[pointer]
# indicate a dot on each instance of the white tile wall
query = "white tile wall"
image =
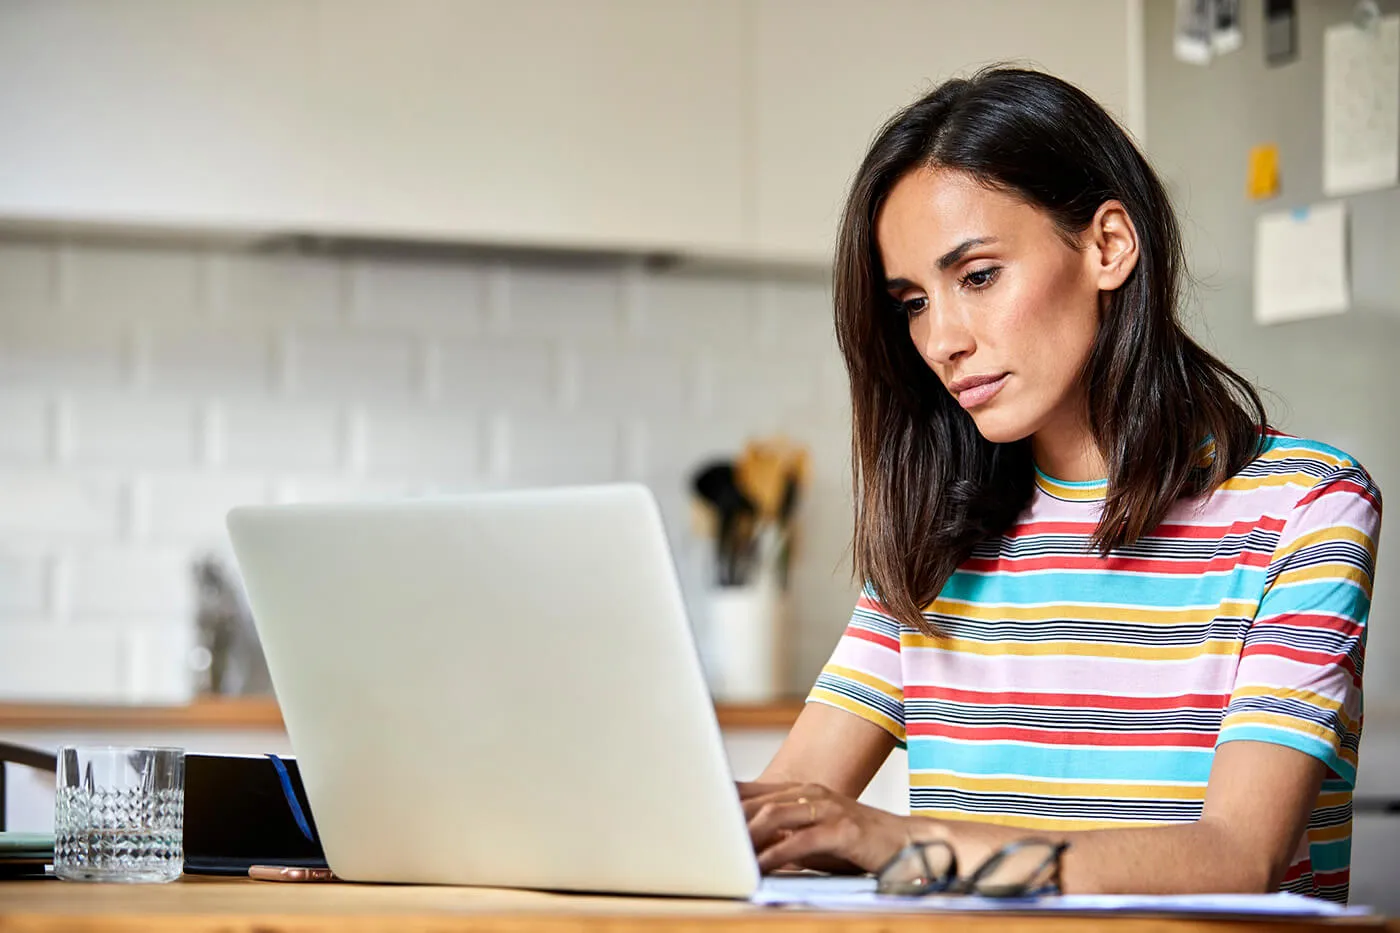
(145, 390)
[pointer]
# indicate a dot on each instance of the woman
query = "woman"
(1106, 605)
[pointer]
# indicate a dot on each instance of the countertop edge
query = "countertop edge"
(234, 713)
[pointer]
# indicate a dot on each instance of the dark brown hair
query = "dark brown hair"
(928, 486)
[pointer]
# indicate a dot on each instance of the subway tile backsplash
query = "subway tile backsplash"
(144, 390)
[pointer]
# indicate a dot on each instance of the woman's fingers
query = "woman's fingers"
(756, 805)
(798, 846)
(749, 789)
(780, 793)
(777, 818)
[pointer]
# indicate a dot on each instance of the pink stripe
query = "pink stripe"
(1127, 677)
(1268, 670)
(869, 658)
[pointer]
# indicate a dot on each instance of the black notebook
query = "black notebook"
(246, 810)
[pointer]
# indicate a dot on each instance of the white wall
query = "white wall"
(145, 389)
(1333, 378)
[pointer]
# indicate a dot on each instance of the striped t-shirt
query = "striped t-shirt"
(1069, 691)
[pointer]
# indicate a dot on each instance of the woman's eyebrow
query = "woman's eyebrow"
(957, 252)
(944, 261)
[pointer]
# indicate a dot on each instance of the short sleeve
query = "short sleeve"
(1299, 678)
(864, 675)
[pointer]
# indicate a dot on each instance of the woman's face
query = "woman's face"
(999, 305)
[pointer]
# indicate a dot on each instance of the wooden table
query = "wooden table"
(200, 905)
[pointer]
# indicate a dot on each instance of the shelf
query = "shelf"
(262, 713)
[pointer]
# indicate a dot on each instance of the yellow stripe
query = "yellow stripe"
(1330, 833)
(871, 681)
(1336, 798)
(1303, 696)
(1012, 785)
(864, 712)
(1339, 572)
(1248, 483)
(1290, 453)
(1280, 721)
(1031, 822)
(1309, 697)
(998, 612)
(1223, 647)
(1327, 535)
(1074, 493)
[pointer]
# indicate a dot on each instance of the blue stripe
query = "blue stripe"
(1330, 856)
(1307, 744)
(1272, 444)
(928, 753)
(1073, 484)
(1332, 594)
(1118, 586)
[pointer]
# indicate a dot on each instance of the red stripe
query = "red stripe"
(1166, 530)
(1331, 623)
(1013, 565)
(1318, 658)
(1345, 486)
(1340, 876)
(1083, 700)
(1315, 658)
(1265, 522)
(865, 602)
(884, 641)
(1059, 736)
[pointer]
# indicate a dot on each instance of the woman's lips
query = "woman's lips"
(982, 393)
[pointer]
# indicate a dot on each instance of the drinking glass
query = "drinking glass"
(119, 814)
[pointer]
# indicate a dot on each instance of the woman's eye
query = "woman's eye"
(913, 306)
(980, 278)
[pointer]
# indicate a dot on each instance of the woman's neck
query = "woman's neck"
(1068, 453)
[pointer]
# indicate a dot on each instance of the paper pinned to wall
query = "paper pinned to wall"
(1300, 263)
(1361, 106)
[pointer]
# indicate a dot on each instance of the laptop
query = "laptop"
(497, 689)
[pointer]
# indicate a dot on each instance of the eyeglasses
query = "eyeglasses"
(1028, 868)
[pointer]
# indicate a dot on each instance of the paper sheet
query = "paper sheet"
(859, 894)
(1300, 263)
(1361, 107)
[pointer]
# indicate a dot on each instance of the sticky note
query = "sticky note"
(1263, 172)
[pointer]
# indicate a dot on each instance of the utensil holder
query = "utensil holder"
(746, 633)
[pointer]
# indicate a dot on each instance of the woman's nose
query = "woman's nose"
(942, 339)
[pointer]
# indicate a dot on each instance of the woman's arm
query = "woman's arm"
(830, 747)
(1257, 805)
(830, 750)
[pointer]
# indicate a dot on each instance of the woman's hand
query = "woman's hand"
(810, 826)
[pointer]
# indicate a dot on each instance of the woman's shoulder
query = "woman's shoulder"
(1301, 464)
(1281, 452)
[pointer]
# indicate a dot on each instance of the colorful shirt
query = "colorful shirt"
(1068, 690)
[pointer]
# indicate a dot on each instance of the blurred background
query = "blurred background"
(284, 250)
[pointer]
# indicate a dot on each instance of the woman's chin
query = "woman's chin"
(1001, 427)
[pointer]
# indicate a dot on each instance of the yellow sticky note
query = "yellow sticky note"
(1263, 171)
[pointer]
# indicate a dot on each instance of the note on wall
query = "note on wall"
(1361, 106)
(1300, 263)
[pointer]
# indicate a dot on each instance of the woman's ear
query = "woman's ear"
(1113, 245)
